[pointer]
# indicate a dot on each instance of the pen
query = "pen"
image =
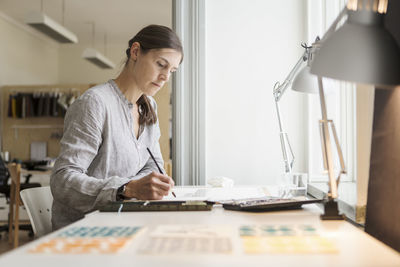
(159, 169)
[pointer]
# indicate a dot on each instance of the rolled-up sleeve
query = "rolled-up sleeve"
(70, 184)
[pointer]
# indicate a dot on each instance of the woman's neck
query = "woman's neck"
(128, 86)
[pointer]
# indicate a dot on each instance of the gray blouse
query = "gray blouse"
(99, 153)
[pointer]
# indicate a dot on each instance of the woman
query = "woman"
(108, 129)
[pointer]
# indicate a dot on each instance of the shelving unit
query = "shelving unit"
(34, 126)
(18, 133)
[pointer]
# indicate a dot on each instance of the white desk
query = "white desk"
(356, 248)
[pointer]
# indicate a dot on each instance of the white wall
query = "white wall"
(74, 69)
(250, 45)
(25, 58)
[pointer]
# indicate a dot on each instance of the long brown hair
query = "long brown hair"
(152, 37)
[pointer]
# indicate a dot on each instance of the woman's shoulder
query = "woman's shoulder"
(93, 100)
(99, 93)
(99, 97)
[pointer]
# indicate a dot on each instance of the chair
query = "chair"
(13, 219)
(15, 200)
(4, 187)
(38, 203)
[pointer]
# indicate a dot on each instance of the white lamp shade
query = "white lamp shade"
(305, 82)
(362, 50)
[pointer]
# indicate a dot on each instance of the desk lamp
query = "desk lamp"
(303, 81)
(359, 51)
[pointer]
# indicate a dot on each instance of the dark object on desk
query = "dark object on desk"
(267, 204)
(331, 211)
(157, 206)
(5, 176)
(37, 165)
(383, 214)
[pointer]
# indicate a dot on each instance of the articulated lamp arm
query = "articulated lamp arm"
(327, 124)
(331, 211)
(279, 90)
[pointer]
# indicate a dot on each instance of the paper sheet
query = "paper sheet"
(302, 239)
(215, 194)
(188, 239)
(88, 240)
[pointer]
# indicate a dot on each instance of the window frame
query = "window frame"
(341, 107)
(188, 95)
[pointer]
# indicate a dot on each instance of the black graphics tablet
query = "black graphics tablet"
(267, 204)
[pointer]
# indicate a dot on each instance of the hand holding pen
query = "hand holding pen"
(159, 169)
(153, 186)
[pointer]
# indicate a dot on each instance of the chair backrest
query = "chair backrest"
(15, 173)
(38, 203)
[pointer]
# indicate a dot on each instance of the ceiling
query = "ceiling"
(120, 19)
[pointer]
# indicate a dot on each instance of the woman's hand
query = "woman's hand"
(151, 187)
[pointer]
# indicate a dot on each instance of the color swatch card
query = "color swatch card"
(86, 240)
(259, 239)
(188, 239)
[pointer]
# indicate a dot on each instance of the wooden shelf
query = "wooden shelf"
(33, 126)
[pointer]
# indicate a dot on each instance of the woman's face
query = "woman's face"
(152, 69)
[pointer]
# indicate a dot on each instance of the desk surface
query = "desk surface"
(355, 248)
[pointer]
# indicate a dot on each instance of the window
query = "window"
(340, 101)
